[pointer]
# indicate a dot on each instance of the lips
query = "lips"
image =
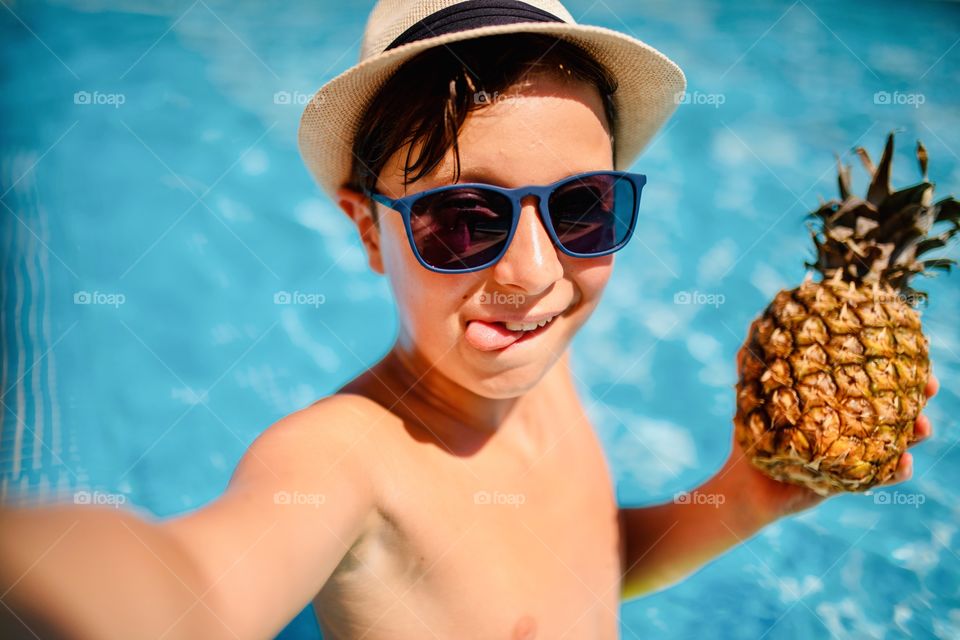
(494, 334)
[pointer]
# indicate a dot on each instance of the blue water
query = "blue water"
(183, 210)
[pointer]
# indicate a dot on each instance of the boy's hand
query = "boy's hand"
(774, 499)
(666, 542)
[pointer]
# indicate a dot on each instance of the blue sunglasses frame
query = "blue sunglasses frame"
(404, 206)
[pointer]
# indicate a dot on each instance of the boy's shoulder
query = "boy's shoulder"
(342, 414)
(346, 403)
(330, 427)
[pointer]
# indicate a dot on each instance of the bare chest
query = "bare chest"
(495, 545)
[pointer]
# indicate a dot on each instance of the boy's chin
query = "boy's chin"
(506, 382)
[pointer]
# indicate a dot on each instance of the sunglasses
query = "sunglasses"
(466, 227)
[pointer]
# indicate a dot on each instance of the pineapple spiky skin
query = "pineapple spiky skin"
(831, 384)
(833, 373)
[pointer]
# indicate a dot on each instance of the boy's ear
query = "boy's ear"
(357, 207)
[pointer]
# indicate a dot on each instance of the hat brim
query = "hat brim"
(648, 84)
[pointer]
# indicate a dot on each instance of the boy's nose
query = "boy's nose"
(531, 262)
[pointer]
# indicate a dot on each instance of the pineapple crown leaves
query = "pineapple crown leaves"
(881, 238)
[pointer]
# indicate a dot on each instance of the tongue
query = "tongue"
(490, 336)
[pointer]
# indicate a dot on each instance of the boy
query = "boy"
(456, 489)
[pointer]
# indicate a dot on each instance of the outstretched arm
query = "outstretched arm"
(71, 571)
(240, 567)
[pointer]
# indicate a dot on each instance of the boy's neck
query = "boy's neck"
(407, 384)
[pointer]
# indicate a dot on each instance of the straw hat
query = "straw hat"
(648, 82)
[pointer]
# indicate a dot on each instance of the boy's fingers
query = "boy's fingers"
(922, 429)
(933, 385)
(904, 470)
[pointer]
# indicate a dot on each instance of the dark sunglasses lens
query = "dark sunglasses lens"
(593, 214)
(460, 229)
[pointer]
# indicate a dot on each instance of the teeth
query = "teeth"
(526, 326)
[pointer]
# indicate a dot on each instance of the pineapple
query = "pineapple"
(833, 372)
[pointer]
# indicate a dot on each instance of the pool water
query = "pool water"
(154, 206)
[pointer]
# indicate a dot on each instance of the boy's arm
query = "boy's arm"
(240, 567)
(94, 572)
(668, 542)
(665, 543)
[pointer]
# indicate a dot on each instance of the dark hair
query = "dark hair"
(428, 99)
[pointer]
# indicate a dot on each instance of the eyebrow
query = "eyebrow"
(479, 174)
(486, 175)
